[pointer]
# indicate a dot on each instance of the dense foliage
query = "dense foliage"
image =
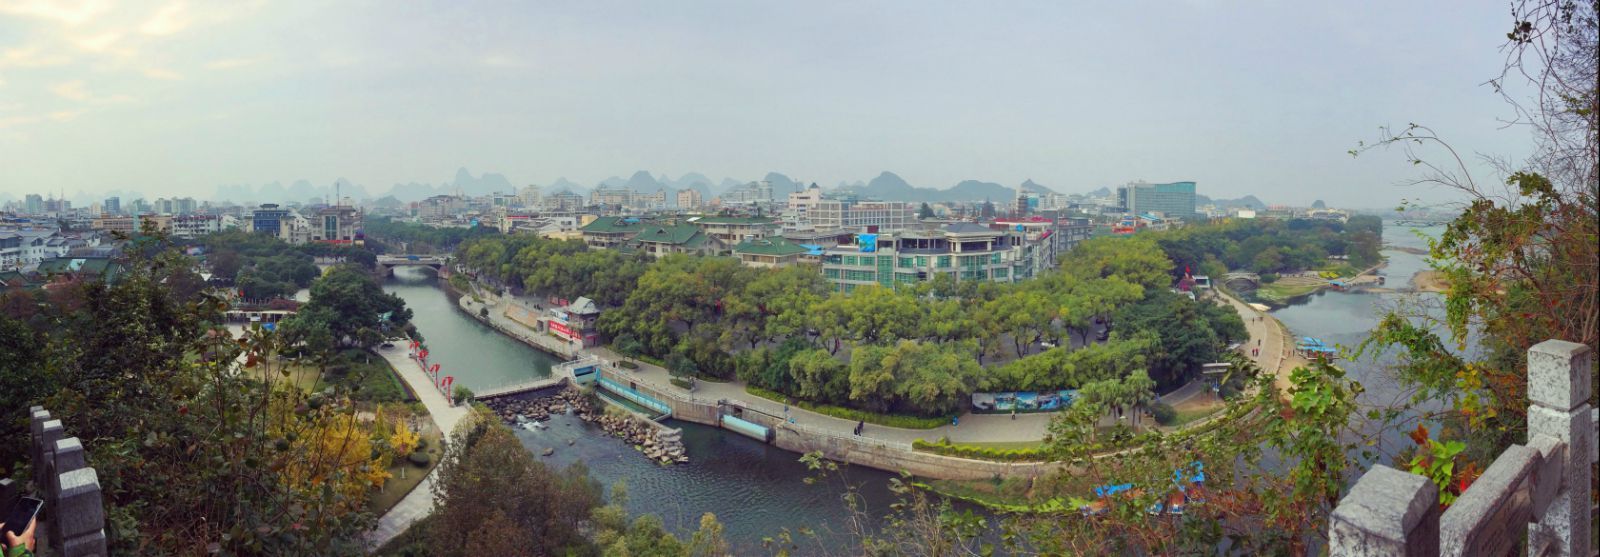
(1520, 259)
(1274, 246)
(491, 497)
(918, 350)
(203, 443)
(388, 235)
(263, 267)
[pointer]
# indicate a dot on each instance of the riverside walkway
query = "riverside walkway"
(972, 428)
(419, 502)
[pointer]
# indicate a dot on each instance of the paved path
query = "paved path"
(972, 427)
(419, 502)
(1277, 353)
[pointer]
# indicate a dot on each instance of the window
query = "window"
(849, 260)
(905, 262)
(831, 273)
(944, 262)
(922, 262)
(1001, 273)
(995, 258)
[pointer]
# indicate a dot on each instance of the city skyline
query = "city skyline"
(175, 100)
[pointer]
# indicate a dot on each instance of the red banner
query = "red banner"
(561, 329)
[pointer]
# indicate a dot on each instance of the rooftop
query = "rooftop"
(771, 246)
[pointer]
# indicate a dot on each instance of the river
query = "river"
(754, 489)
(1345, 319)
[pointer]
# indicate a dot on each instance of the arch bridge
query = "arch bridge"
(1241, 276)
(386, 263)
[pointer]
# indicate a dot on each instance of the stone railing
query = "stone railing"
(72, 522)
(1539, 492)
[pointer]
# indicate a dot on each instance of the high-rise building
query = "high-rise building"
(33, 204)
(338, 225)
(269, 219)
(962, 251)
(1174, 200)
(112, 206)
(886, 216)
(606, 195)
(530, 196)
(748, 194)
(689, 198)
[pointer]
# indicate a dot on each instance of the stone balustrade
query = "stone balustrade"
(1537, 492)
(72, 522)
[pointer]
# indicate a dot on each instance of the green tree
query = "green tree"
(486, 471)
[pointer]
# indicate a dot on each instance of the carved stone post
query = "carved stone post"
(1387, 513)
(1559, 386)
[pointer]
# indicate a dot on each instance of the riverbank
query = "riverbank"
(798, 430)
(1429, 281)
(419, 503)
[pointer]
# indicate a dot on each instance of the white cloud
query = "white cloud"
(229, 63)
(69, 12)
(30, 57)
(71, 90)
(501, 61)
(171, 18)
(98, 43)
(162, 73)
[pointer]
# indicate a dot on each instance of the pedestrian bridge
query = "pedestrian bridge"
(1240, 276)
(386, 263)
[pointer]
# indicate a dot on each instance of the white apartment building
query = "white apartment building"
(887, 216)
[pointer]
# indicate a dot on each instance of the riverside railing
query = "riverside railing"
(1539, 492)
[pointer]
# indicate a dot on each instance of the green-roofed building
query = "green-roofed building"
(732, 230)
(80, 269)
(13, 279)
(772, 252)
(659, 240)
(611, 232)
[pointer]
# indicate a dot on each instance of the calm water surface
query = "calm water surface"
(754, 489)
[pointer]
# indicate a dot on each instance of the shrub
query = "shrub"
(628, 364)
(462, 394)
(1163, 413)
(419, 459)
(682, 383)
(1269, 278)
(891, 420)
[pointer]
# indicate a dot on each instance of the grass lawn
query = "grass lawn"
(371, 377)
(1189, 415)
(399, 486)
(1283, 292)
(1007, 445)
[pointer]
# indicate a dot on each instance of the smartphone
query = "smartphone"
(22, 514)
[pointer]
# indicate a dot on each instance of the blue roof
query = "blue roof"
(814, 249)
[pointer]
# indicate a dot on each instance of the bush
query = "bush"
(685, 384)
(1269, 278)
(628, 364)
(1163, 413)
(419, 459)
(891, 420)
(462, 394)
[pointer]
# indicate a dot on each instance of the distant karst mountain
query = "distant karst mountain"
(1030, 185)
(1247, 202)
(891, 187)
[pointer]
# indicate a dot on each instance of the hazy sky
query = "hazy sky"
(174, 98)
